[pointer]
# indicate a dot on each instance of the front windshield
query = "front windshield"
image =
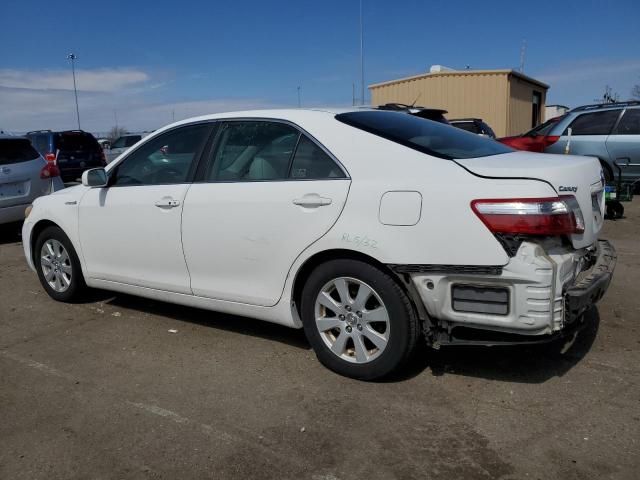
(433, 138)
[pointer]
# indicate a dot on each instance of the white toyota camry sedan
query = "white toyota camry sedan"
(370, 229)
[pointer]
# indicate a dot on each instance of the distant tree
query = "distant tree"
(635, 91)
(115, 133)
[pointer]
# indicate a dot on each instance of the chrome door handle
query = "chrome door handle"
(312, 200)
(167, 202)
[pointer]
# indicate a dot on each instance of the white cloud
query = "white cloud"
(575, 83)
(33, 100)
(98, 80)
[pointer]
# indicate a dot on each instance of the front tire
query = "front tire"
(58, 266)
(359, 321)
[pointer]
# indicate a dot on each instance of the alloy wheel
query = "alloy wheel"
(56, 265)
(352, 320)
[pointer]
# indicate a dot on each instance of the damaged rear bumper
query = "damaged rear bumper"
(589, 289)
(541, 294)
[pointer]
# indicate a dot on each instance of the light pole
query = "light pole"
(72, 57)
(361, 57)
(299, 103)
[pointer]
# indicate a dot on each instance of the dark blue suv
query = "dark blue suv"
(74, 150)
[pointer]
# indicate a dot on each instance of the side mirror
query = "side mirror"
(96, 177)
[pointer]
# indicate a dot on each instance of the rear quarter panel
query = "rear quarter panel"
(448, 232)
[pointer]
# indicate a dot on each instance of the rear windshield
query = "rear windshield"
(436, 139)
(16, 150)
(76, 142)
(544, 128)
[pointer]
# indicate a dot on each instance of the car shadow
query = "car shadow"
(518, 364)
(10, 233)
(232, 323)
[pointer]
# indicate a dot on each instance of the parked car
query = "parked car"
(610, 132)
(473, 125)
(74, 151)
(122, 144)
(104, 143)
(535, 140)
(435, 114)
(370, 229)
(24, 176)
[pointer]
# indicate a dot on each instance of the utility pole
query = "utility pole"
(361, 57)
(299, 103)
(73, 57)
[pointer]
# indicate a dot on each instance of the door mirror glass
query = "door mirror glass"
(96, 177)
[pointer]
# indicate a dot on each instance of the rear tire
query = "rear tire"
(359, 321)
(58, 266)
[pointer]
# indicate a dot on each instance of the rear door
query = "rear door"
(624, 144)
(20, 167)
(268, 192)
(589, 132)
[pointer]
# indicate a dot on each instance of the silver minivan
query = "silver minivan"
(24, 176)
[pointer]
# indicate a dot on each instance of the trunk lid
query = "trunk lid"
(567, 174)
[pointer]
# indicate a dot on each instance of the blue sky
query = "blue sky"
(154, 61)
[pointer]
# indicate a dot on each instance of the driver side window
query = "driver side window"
(165, 159)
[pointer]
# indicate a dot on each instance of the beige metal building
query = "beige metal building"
(510, 102)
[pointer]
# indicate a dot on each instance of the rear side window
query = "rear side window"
(467, 126)
(311, 162)
(436, 139)
(40, 142)
(76, 142)
(630, 123)
(595, 123)
(16, 151)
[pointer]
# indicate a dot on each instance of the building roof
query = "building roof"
(462, 72)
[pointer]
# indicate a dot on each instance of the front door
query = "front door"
(130, 231)
(267, 194)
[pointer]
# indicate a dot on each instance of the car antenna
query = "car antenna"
(414, 102)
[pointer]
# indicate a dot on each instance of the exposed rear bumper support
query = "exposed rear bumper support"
(548, 287)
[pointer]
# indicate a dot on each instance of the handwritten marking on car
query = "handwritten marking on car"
(360, 240)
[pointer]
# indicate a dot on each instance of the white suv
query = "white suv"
(368, 228)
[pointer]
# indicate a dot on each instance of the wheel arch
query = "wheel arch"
(608, 170)
(37, 229)
(324, 256)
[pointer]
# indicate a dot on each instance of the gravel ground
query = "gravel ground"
(103, 390)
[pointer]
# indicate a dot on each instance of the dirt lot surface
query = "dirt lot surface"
(103, 390)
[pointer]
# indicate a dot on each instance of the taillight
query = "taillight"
(531, 216)
(50, 157)
(49, 170)
(550, 140)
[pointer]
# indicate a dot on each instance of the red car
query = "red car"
(535, 140)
